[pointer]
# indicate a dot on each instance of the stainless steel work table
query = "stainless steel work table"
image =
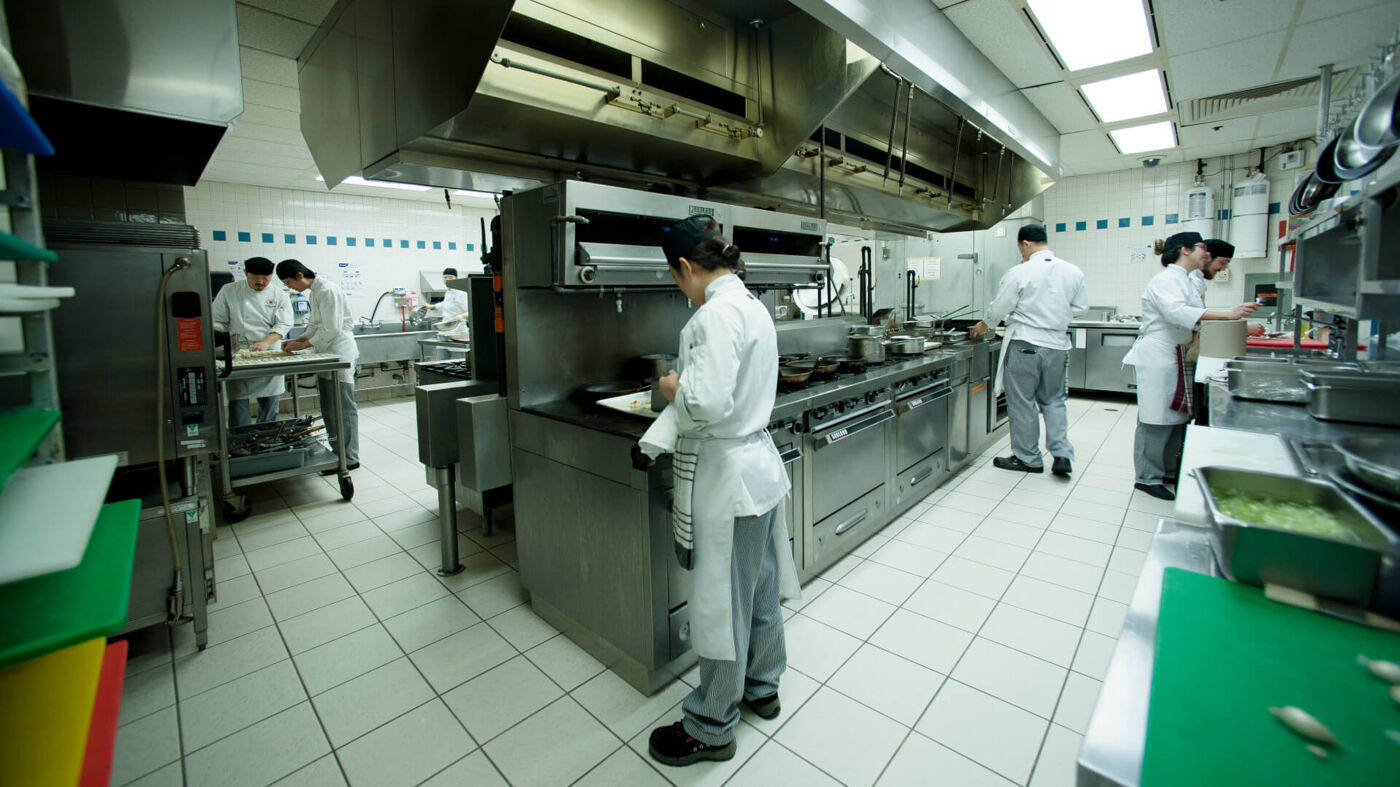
(1117, 736)
(1289, 421)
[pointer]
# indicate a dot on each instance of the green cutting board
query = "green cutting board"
(1225, 655)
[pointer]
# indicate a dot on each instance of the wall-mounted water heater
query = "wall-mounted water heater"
(1249, 216)
(1198, 215)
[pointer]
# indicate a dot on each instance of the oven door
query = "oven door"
(848, 459)
(921, 424)
(790, 450)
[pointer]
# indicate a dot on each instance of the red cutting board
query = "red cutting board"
(1283, 341)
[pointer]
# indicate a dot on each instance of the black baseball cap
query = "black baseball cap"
(1182, 240)
(1219, 248)
(680, 238)
(258, 266)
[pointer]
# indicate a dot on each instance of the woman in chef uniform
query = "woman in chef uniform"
(729, 484)
(1171, 310)
(328, 330)
(260, 315)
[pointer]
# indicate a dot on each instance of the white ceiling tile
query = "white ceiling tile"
(267, 67)
(1314, 10)
(271, 32)
(231, 142)
(1279, 139)
(1086, 146)
(1345, 40)
(1249, 63)
(309, 11)
(267, 116)
(1302, 121)
(1061, 105)
(269, 95)
(1193, 25)
(1218, 133)
(997, 28)
(1217, 149)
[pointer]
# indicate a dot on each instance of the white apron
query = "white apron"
(1171, 308)
(251, 315)
(1006, 338)
(329, 326)
(1154, 361)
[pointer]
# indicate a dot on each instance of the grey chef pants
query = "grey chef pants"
(1157, 451)
(239, 415)
(1036, 384)
(328, 386)
(712, 709)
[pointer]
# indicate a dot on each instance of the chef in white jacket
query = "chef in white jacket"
(729, 482)
(454, 306)
(1038, 299)
(328, 330)
(1171, 310)
(260, 315)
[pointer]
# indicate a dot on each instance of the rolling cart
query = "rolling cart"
(235, 505)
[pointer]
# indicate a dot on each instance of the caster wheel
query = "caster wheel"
(347, 487)
(235, 515)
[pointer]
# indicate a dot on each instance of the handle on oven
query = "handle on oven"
(853, 521)
(859, 426)
(919, 479)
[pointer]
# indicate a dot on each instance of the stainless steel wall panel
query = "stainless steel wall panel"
(328, 80)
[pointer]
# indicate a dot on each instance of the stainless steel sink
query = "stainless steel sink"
(385, 347)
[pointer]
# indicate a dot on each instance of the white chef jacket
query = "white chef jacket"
(1171, 308)
(328, 326)
(252, 315)
(728, 365)
(455, 304)
(1038, 299)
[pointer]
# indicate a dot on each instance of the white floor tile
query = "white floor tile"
(309, 596)
(1024, 681)
(816, 649)
(262, 753)
(450, 662)
(1055, 601)
(232, 706)
(1080, 527)
(1022, 514)
(429, 623)
(846, 610)
(841, 568)
(1084, 550)
(172, 775)
(324, 772)
(953, 519)
(335, 662)
(774, 765)
(1118, 586)
(1116, 498)
(1037, 635)
(1077, 702)
(955, 606)
(147, 692)
(1025, 536)
(1128, 561)
(493, 596)
(1107, 617)
(622, 708)
(285, 552)
(324, 624)
(1095, 652)
(1064, 572)
(411, 515)
(987, 730)
(909, 558)
(624, 766)
(1142, 520)
(253, 540)
(924, 641)
(403, 595)
(235, 590)
(1023, 495)
(473, 769)
(921, 761)
(842, 737)
(578, 742)
(386, 505)
(975, 577)
(564, 662)
(347, 535)
(970, 503)
(882, 582)
(1131, 538)
(294, 573)
(231, 566)
(357, 706)
(476, 569)
(1006, 557)
(145, 745)
(1059, 759)
(522, 628)
(408, 749)
(203, 670)
(361, 552)
(990, 491)
(496, 700)
(891, 685)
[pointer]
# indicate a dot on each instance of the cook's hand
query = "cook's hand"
(262, 345)
(295, 344)
(1256, 330)
(1243, 310)
(977, 330)
(669, 385)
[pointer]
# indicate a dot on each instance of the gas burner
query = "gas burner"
(460, 370)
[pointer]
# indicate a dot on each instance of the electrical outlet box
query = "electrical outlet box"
(1000, 232)
(1293, 159)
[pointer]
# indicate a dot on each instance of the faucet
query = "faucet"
(1288, 320)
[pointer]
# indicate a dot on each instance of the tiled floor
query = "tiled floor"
(964, 644)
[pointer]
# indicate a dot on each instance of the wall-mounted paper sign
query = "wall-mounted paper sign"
(926, 267)
(1137, 255)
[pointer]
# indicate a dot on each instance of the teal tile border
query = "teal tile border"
(290, 239)
(1080, 226)
(1060, 227)
(1124, 222)
(1147, 221)
(1102, 224)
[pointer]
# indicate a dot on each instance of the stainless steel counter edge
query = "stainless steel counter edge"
(1117, 735)
(1126, 326)
(1289, 421)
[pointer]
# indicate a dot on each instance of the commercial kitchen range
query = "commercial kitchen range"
(592, 515)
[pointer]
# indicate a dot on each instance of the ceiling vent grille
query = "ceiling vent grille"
(1264, 99)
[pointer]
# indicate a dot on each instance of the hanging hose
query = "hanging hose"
(177, 594)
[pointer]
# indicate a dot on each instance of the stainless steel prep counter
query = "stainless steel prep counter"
(1289, 421)
(1117, 736)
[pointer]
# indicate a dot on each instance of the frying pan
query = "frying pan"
(1355, 159)
(592, 392)
(827, 365)
(851, 364)
(1375, 461)
(788, 359)
(1326, 169)
(1378, 122)
(790, 375)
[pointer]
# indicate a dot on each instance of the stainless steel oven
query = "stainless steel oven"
(789, 445)
(848, 468)
(921, 436)
(997, 414)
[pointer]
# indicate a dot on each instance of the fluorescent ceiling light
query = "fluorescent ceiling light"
(1126, 97)
(1140, 139)
(491, 195)
(1088, 33)
(356, 180)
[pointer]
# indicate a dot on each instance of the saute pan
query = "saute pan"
(592, 392)
(790, 375)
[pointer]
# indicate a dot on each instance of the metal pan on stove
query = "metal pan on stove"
(793, 375)
(592, 392)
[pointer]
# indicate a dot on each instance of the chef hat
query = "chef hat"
(258, 266)
(680, 238)
(449, 271)
(1180, 240)
(1219, 248)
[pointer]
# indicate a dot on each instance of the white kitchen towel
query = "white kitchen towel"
(663, 437)
(660, 437)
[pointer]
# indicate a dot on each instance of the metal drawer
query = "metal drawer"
(921, 426)
(922, 478)
(840, 532)
(848, 459)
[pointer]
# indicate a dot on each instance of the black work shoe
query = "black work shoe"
(765, 707)
(1156, 490)
(1061, 466)
(1015, 463)
(672, 745)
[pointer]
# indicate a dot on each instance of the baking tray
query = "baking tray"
(1256, 553)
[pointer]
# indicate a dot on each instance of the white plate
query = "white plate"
(638, 404)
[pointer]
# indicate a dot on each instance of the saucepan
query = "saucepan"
(850, 363)
(1375, 461)
(873, 329)
(654, 364)
(658, 401)
(790, 375)
(592, 392)
(868, 347)
(905, 345)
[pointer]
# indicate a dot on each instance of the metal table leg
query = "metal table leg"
(445, 481)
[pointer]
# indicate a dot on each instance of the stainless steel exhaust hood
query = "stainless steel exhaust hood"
(138, 91)
(721, 99)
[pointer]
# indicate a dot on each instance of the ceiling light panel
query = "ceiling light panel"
(1088, 33)
(1127, 97)
(1140, 139)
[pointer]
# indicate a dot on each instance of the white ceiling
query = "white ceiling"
(1206, 48)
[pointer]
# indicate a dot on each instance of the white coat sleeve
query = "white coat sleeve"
(220, 309)
(281, 315)
(706, 392)
(1008, 294)
(327, 312)
(1079, 301)
(1174, 306)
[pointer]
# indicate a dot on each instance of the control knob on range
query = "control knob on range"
(872, 397)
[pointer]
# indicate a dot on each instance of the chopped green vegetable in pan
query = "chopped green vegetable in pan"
(1302, 517)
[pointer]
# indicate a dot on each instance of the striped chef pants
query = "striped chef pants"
(712, 709)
